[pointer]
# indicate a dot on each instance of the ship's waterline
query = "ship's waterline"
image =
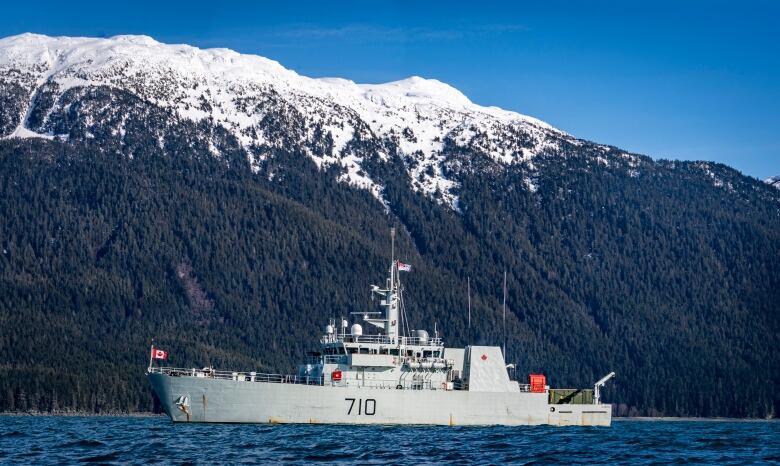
(232, 401)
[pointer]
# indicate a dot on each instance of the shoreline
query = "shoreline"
(76, 414)
(614, 418)
(692, 419)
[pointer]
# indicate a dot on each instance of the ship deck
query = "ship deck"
(209, 373)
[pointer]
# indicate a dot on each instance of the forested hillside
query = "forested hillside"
(669, 281)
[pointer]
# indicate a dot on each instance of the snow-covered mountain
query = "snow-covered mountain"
(255, 99)
(106, 89)
(773, 181)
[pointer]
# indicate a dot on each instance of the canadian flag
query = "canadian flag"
(159, 354)
(404, 267)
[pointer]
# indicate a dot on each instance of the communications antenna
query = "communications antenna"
(468, 293)
(503, 315)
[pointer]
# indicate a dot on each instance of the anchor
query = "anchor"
(183, 403)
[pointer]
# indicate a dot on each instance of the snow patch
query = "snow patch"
(773, 181)
(21, 132)
(717, 182)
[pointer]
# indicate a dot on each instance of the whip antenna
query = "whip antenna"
(503, 316)
(468, 293)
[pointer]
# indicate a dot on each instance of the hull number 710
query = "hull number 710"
(365, 407)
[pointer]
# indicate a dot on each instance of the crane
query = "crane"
(598, 385)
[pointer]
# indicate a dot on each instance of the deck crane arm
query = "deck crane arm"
(598, 385)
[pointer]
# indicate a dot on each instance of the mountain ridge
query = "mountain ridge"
(415, 115)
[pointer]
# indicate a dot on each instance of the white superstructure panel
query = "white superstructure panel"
(486, 370)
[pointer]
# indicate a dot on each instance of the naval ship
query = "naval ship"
(392, 375)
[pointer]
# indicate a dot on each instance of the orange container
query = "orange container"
(537, 382)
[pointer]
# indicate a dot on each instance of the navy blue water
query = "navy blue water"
(144, 440)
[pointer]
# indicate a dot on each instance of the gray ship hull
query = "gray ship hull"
(234, 401)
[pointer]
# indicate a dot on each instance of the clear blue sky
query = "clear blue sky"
(673, 80)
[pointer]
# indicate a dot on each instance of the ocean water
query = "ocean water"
(148, 440)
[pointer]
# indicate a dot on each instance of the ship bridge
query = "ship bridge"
(395, 356)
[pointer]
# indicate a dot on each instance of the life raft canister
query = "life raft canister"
(335, 375)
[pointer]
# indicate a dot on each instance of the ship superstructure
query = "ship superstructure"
(395, 375)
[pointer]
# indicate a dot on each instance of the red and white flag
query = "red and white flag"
(404, 267)
(159, 354)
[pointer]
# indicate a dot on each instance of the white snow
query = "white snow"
(717, 182)
(22, 132)
(235, 88)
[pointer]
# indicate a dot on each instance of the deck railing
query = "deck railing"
(405, 383)
(238, 376)
(383, 339)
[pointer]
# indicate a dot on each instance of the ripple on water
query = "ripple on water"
(107, 458)
(52, 440)
(82, 444)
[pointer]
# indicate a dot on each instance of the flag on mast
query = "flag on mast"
(159, 354)
(403, 267)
